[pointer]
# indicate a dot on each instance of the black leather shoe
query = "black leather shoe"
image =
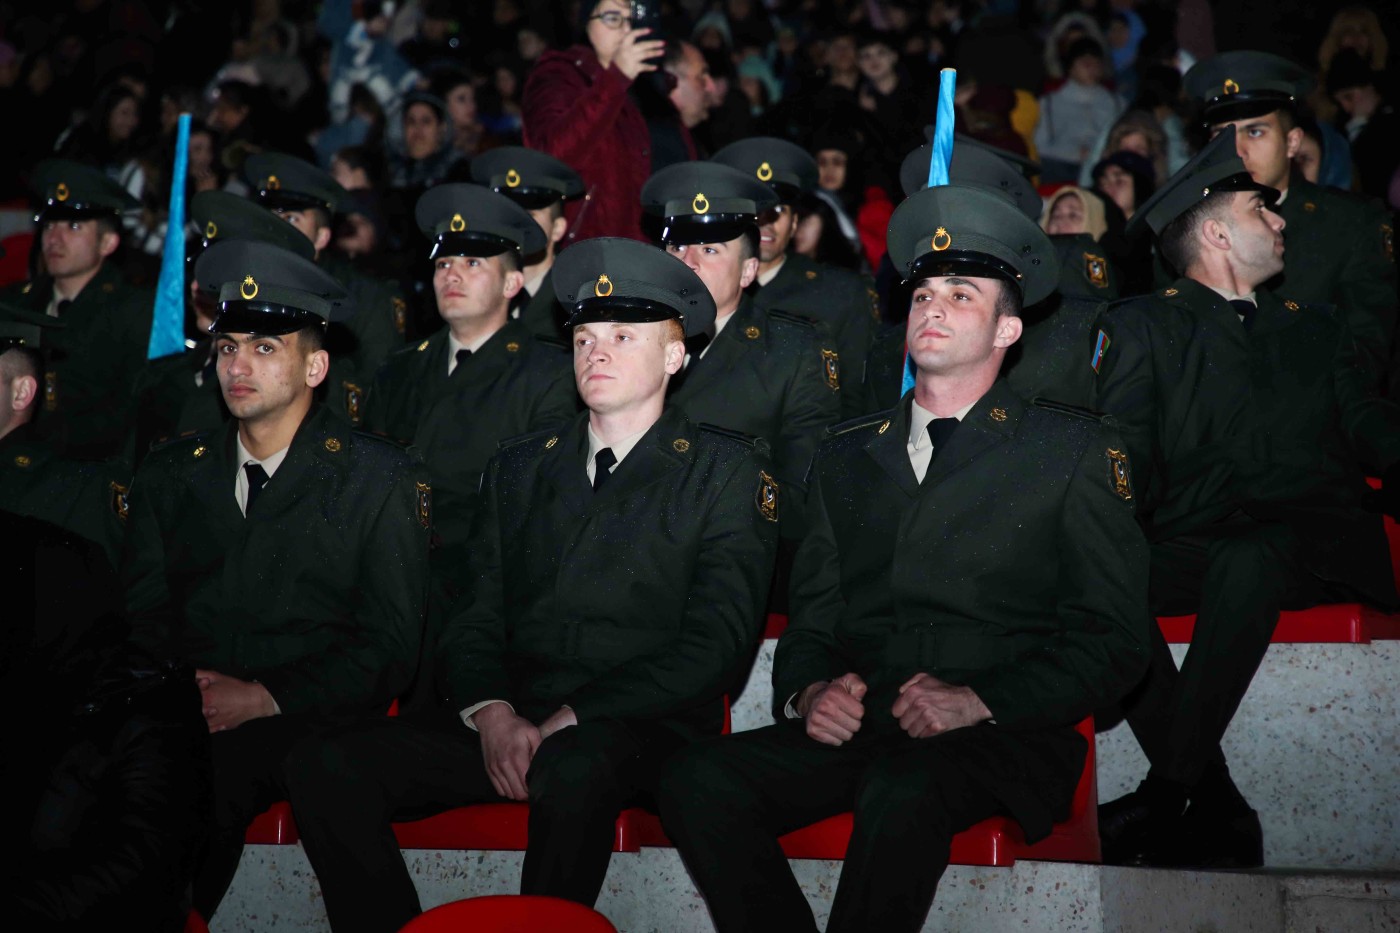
(1139, 829)
(1215, 837)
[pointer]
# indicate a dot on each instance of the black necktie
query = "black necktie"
(462, 358)
(603, 462)
(1245, 309)
(939, 430)
(62, 306)
(257, 479)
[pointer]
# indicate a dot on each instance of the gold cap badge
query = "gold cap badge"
(765, 172)
(61, 192)
(512, 179)
(941, 240)
(457, 224)
(249, 288)
(211, 230)
(602, 283)
(701, 204)
(272, 183)
(1230, 87)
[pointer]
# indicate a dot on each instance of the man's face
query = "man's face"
(551, 220)
(309, 223)
(75, 247)
(1358, 101)
(1256, 237)
(227, 116)
(775, 230)
(261, 377)
(470, 289)
(841, 54)
(1265, 148)
(422, 131)
(618, 365)
(877, 61)
(694, 89)
(721, 266)
(953, 324)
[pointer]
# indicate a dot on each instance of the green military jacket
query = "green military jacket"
(1269, 420)
(92, 364)
(317, 593)
(642, 601)
(843, 303)
(177, 394)
(541, 312)
(514, 384)
(361, 345)
(1015, 568)
(86, 497)
(1338, 251)
(767, 374)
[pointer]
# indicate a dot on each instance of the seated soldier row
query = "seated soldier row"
(969, 580)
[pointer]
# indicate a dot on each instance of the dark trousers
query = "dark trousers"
(725, 801)
(246, 764)
(1236, 578)
(348, 786)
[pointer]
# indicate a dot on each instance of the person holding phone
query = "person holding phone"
(577, 108)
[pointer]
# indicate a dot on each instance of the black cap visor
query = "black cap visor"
(262, 317)
(74, 210)
(280, 199)
(530, 198)
(629, 310)
(1246, 105)
(470, 243)
(707, 228)
(967, 264)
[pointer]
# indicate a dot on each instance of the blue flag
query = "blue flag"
(937, 167)
(168, 320)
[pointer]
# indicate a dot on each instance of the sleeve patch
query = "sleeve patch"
(425, 505)
(831, 365)
(766, 498)
(1119, 475)
(1101, 343)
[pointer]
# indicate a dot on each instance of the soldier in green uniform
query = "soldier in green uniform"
(180, 393)
(765, 373)
(88, 498)
(1243, 412)
(92, 365)
(284, 556)
(617, 582)
(308, 198)
(482, 378)
(540, 184)
(973, 584)
(844, 303)
(1339, 245)
(1047, 361)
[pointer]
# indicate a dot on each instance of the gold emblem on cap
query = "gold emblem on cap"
(512, 179)
(457, 224)
(333, 444)
(22, 461)
(273, 183)
(998, 414)
(701, 204)
(941, 240)
(199, 451)
(598, 286)
(211, 230)
(61, 192)
(512, 347)
(680, 445)
(765, 172)
(752, 332)
(551, 442)
(1230, 87)
(249, 288)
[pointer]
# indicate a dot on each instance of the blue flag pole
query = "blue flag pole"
(939, 160)
(168, 319)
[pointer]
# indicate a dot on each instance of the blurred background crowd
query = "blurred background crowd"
(395, 97)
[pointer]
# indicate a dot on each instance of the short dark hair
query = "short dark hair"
(510, 260)
(312, 338)
(20, 361)
(748, 243)
(108, 223)
(1009, 300)
(1178, 243)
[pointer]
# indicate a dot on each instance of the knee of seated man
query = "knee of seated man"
(696, 778)
(571, 765)
(323, 764)
(1264, 552)
(895, 789)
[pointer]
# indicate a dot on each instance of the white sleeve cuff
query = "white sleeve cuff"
(475, 708)
(789, 710)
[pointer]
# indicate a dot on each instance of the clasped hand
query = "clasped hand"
(926, 707)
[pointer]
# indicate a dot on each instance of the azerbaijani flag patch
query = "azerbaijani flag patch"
(1100, 348)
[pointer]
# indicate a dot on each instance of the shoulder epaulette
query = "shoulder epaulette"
(549, 439)
(854, 424)
(788, 317)
(161, 443)
(1072, 410)
(381, 437)
(749, 439)
(553, 343)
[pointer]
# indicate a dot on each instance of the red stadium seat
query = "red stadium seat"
(14, 265)
(1335, 623)
(776, 625)
(194, 923)
(997, 841)
(510, 913)
(1392, 534)
(273, 827)
(490, 826)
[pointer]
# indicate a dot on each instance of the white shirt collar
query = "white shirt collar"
(620, 448)
(453, 345)
(919, 418)
(269, 464)
(765, 277)
(1231, 296)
